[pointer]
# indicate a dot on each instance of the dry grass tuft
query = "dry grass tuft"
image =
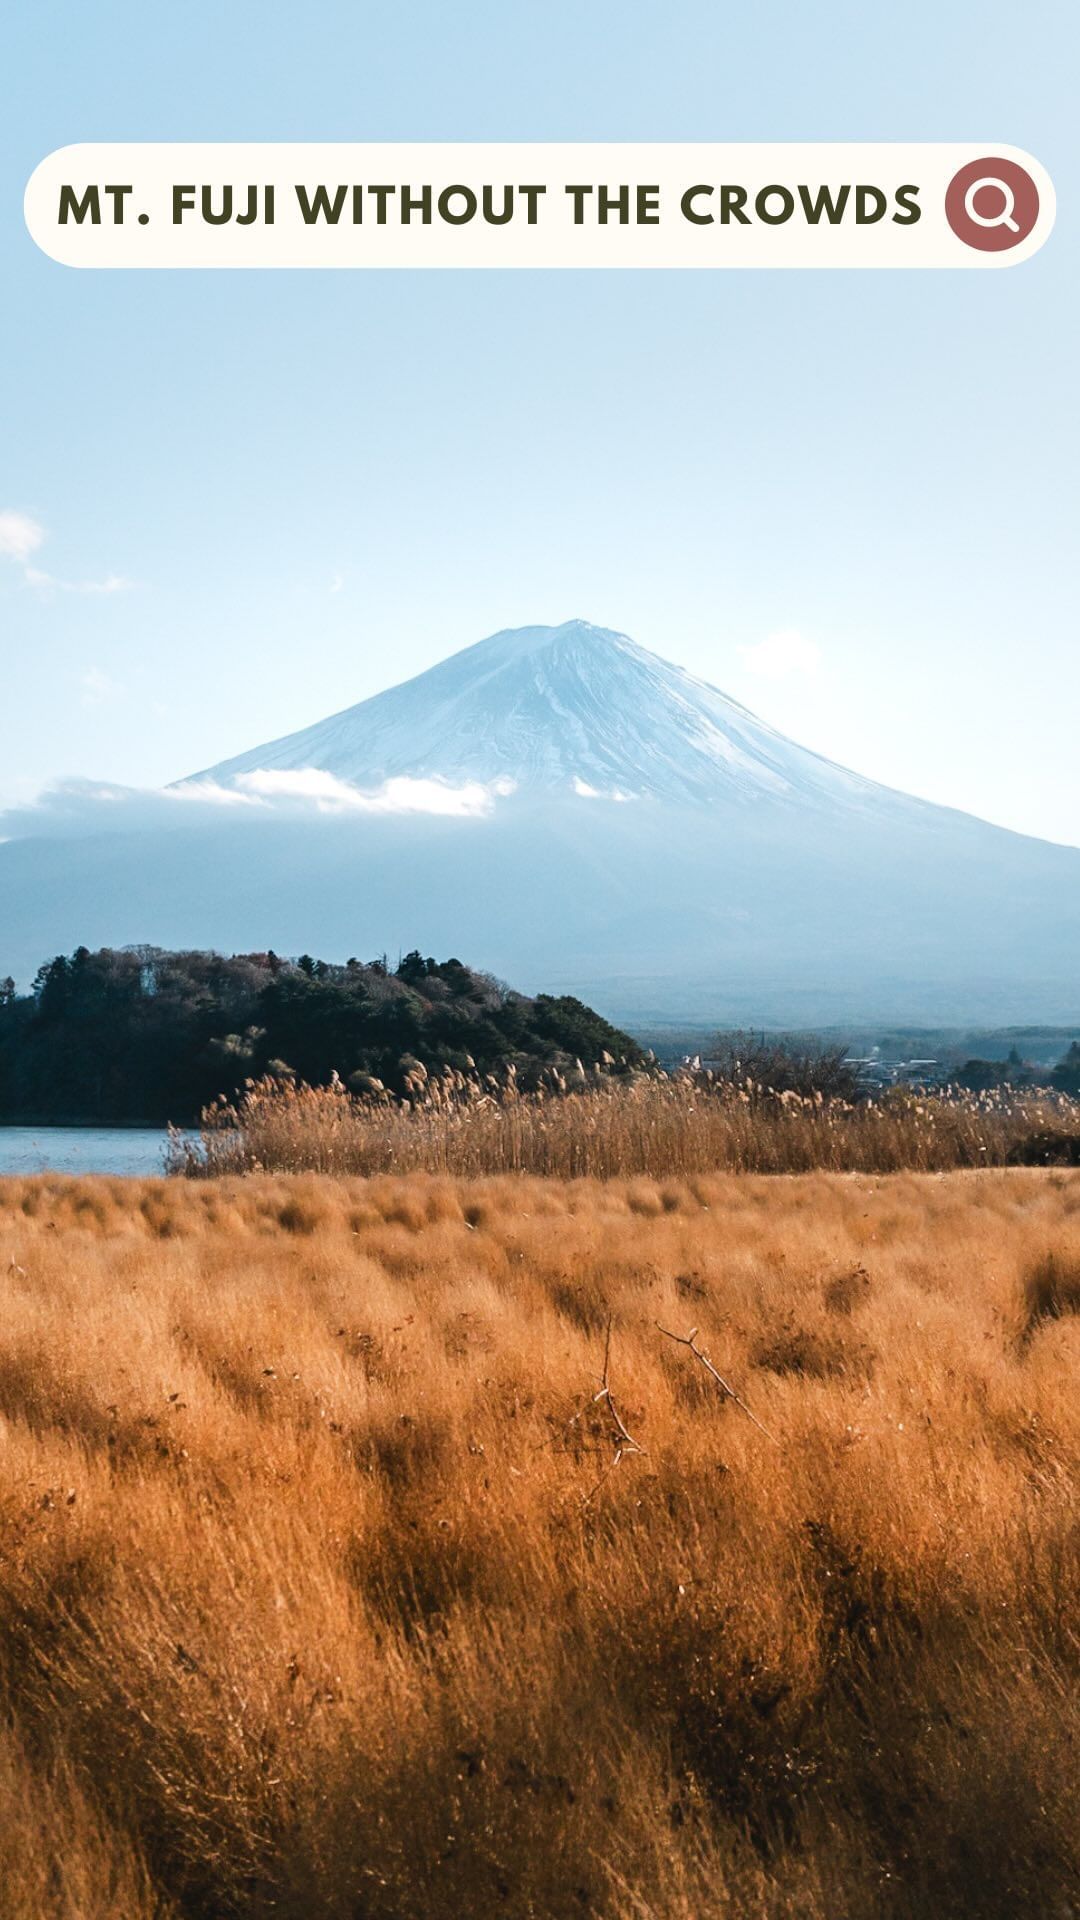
(1052, 1287)
(367, 1552)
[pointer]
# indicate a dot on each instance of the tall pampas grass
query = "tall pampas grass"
(607, 1125)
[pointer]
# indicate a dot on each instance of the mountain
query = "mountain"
(560, 710)
(570, 811)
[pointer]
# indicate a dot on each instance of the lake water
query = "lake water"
(81, 1150)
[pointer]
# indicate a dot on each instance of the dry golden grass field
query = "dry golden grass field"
(333, 1583)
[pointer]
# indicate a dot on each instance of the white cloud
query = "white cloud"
(112, 583)
(207, 792)
(79, 807)
(781, 655)
(19, 535)
(399, 795)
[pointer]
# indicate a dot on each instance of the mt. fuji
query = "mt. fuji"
(570, 709)
(577, 815)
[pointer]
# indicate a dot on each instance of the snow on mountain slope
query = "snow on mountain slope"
(572, 709)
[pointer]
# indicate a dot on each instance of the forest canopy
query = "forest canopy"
(139, 1035)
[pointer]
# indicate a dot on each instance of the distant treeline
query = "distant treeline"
(144, 1036)
(981, 1076)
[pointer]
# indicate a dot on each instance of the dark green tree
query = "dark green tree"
(144, 1035)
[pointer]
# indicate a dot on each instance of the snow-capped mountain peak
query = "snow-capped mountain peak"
(575, 709)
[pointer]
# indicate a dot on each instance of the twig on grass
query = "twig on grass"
(622, 1441)
(689, 1340)
(625, 1442)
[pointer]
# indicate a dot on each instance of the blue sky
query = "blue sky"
(264, 496)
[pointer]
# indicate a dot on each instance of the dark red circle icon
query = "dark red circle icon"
(992, 204)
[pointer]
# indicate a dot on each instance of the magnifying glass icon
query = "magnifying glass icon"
(1005, 218)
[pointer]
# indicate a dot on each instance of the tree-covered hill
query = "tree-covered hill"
(141, 1035)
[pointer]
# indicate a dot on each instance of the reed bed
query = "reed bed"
(368, 1553)
(615, 1127)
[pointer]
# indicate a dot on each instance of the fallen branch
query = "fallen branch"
(622, 1440)
(689, 1340)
